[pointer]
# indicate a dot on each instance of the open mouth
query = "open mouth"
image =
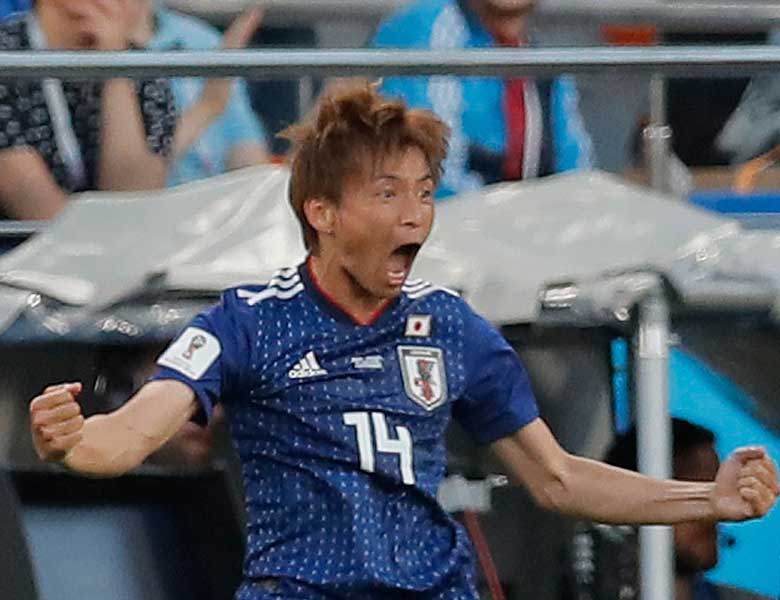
(400, 263)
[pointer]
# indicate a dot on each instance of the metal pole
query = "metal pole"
(20, 229)
(658, 137)
(654, 442)
(700, 61)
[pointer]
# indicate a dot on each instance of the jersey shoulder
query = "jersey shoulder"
(425, 296)
(430, 297)
(285, 284)
(414, 289)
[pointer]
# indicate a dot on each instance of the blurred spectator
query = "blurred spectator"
(604, 562)
(501, 129)
(9, 7)
(62, 137)
(218, 130)
(754, 127)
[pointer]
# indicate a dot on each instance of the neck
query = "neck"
(683, 588)
(502, 25)
(340, 287)
(56, 34)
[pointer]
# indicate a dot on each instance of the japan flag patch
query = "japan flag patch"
(192, 353)
(418, 326)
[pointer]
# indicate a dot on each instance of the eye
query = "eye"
(387, 194)
(426, 194)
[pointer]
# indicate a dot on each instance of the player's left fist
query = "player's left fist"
(746, 486)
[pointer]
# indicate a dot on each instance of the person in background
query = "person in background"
(753, 129)
(10, 7)
(57, 137)
(501, 129)
(217, 131)
(695, 543)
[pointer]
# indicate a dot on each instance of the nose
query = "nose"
(412, 210)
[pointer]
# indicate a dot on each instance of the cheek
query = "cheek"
(356, 237)
(364, 227)
(428, 224)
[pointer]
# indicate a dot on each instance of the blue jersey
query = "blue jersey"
(340, 430)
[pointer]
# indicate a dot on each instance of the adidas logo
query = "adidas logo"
(306, 367)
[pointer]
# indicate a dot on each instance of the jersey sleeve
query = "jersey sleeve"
(206, 356)
(497, 399)
(12, 120)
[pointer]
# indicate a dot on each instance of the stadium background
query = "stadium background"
(144, 536)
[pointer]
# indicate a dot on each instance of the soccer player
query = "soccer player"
(339, 376)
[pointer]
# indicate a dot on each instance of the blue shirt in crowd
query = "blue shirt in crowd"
(9, 7)
(473, 107)
(238, 125)
(340, 430)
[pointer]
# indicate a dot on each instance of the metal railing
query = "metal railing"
(699, 61)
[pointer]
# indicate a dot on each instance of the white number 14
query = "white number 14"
(402, 445)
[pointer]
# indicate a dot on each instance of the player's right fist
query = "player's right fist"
(56, 422)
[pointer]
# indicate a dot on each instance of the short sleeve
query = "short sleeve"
(240, 124)
(12, 120)
(206, 356)
(497, 399)
(159, 114)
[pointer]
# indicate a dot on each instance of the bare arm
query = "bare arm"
(191, 125)
(27, 188)
(217, 91)
(746, 486)
(112, 444)
(126, 161)
(246, 155)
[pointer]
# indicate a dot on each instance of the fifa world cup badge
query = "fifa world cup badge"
(197, 342)
(192, 353)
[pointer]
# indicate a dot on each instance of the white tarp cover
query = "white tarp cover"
(500, 247)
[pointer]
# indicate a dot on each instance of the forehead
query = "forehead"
(409, 163)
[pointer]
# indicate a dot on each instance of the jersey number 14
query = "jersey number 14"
(373, 436)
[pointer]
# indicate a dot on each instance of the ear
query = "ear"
(321, 214)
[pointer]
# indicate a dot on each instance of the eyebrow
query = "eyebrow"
(398, 177)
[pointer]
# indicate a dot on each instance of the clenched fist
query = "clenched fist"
(56, 421)
(746, 486)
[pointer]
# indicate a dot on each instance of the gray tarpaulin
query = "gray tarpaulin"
(501, 247)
